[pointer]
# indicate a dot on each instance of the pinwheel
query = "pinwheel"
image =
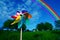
(27, 15)
(17, 18)
(21, 18)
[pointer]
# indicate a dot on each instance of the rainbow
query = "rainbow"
(52, 12)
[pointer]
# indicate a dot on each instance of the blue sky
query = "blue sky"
(9, 8)
(55, 5)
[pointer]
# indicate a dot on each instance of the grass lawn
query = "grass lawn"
(42, 35)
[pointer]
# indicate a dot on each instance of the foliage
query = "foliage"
(40, 26)
(7, 24)
(44, 26)
(43, 35)
(48, 26)
(27, 30)
(56, 32)
(57, 24)
(9, 35)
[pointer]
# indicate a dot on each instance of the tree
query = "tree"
(7, 24)
(48, 26)
(57, 24)
(40, 26)
(27, 30)
(35, 30)
(44, 26)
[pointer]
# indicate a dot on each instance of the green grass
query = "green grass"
(42, 35)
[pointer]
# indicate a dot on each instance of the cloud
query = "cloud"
(10, 7)
(29, 2)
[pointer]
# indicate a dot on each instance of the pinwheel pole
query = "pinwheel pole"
(21, 34)
(18, 16)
